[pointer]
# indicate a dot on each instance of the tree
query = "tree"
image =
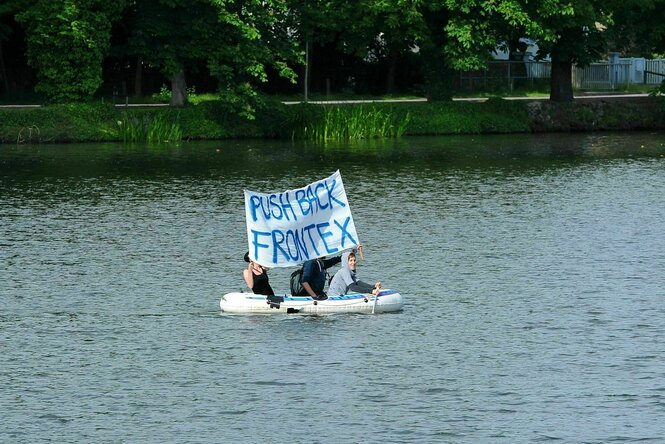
(169, 34)
(462, 34)
(572, 34)
(569, 32)
(639, 28)
(252, 36)
(6, 10)
(67, 42)
(369, 32)
(316, 24)
(8, 26)
(236, 39)
(383, 31)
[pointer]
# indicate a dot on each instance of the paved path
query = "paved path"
(339, 102)
(467, 99)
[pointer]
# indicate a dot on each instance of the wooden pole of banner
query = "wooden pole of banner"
(376, 298)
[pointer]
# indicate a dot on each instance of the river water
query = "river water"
(531, 266)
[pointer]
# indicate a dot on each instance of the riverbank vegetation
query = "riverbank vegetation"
(72, 51)
(325, 123)
(217, 120)
(226, 68)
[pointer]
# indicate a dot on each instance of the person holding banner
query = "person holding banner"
(256, 278)
(345, 280)
(314, 276)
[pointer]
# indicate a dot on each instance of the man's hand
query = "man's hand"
(308, 289)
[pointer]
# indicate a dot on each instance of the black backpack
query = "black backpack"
(296, 283)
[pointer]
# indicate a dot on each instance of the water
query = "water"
(531, 268)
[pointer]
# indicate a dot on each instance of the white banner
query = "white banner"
(285, 229)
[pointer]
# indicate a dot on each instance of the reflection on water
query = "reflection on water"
(531, 267)
(274, 159)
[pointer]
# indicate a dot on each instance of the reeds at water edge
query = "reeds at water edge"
(148, 128)
(350, 123)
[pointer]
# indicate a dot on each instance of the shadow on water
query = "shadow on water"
(275, 159)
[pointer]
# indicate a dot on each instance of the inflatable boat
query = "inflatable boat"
(386, 301)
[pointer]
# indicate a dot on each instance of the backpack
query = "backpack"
(296, 283)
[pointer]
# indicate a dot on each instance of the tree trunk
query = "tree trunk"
(390, 75)
(178, 89)
(561, 85)
(308, 58)
(438, 77)
(437, 74)
(3, 72)
(138, 77)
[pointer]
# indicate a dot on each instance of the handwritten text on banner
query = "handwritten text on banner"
(284, 229)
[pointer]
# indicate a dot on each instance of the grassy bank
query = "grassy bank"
(214, 120)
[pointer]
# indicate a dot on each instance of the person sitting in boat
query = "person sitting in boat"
(345, 280)
(256, 277)
(314, 276)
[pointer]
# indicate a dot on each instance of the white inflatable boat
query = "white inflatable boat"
(249, 303)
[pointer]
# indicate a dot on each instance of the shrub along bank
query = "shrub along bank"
(215, 120)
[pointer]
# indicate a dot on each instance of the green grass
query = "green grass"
(149, 128)
(321, 97)
(216, 119)
(352, 123)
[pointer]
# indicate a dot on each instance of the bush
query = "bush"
(59, 123)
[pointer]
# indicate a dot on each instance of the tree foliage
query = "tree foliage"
(237, 40)
(253, 37)
(568, 32)
(639, 28)
(243, 44)
(67, 42)
(8, 10)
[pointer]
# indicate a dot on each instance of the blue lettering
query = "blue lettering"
(290, 234)
(299, 238)
(330, 194)
(256, 242)
(273, 206)
(312, 200)
(265, 207)
(300, 198)
(254, 203)
(309, 229)
(292, 245)
(324, 234)
(287, 206)
(345, 233)
(318, 199)
(277, 245)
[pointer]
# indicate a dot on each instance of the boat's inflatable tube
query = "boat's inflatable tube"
(386, 301)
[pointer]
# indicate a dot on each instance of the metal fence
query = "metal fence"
(602, 76)
(508, 74)
(654, 71)
(505, 74)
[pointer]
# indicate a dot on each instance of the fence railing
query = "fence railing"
(505, 73)
(601, 75)
(654, 71)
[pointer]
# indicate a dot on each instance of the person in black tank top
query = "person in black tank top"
(256, 278)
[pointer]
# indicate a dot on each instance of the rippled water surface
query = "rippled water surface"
(532, 270)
